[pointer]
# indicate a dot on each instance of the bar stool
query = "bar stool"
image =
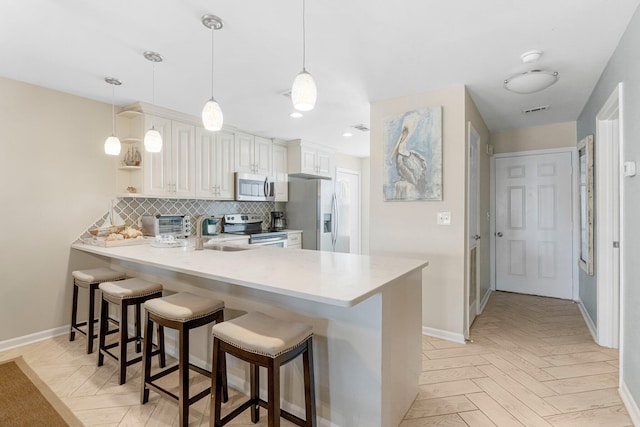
(182, 311)
(126, 293)
(89, 279)
(264, 341)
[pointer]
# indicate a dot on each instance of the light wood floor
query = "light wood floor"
(532, 362)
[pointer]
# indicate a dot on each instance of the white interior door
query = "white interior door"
(534, 246)
(473, 231)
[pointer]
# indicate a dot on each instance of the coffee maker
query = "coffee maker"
(278, 221)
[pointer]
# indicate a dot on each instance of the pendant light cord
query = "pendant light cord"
(213, 30)
(113, 110)
(304, 32)
(153, 92)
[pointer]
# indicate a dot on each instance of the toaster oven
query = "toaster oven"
(173, 225)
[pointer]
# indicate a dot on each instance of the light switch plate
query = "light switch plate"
(444, 218)
(629, 168)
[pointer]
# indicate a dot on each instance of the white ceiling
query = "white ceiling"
(359, 51)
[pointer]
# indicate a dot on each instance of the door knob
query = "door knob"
(476, 237)
(499, 234)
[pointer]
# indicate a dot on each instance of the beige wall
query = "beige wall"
(366, 204)
(483, 256)
(409, 228)
(56, 180)
(534, 138)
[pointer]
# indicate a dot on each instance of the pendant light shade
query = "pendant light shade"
(153, 139)
(112, 145)
(212, 117)
(304, 91)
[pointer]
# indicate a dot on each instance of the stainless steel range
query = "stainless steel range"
(251, 225)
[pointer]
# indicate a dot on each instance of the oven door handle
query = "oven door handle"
(271, 240)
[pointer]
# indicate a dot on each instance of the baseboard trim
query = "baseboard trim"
(588, 321)
(445, 335)
(485, 300)
(629, 403)
(32, 338)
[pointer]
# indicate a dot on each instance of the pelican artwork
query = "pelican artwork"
(411, 166)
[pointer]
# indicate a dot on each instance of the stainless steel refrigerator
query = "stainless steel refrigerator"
(315, 207)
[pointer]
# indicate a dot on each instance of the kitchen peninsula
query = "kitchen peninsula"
(365, 312)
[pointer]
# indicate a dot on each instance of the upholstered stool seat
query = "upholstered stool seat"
(125, 293)
(182, 311)
(89, 279)
(265, 341)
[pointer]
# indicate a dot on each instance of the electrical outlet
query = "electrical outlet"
(629, 168)
(444, 218)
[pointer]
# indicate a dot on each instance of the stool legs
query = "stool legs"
(273, 365)
(309, 385)
(123, 334)
(183, 371)
(90, 319)
(74, 313)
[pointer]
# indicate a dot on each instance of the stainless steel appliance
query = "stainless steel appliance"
(256, 188)
(251, 225)
(314, 207)
(173, 225)
(278, 221)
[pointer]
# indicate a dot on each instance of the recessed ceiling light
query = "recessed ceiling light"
(296, 114)
(347, 134)
(531, 81)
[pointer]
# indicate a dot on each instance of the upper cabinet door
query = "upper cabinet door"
(263, 153)
(157, 178)
(224, 165)
(183, 159)
(244, 153)
(205, 163)
(280, 172)
(324, 166)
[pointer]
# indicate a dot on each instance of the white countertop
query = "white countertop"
(326, 277)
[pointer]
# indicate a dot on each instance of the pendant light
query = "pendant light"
(304, 92)
(153, 139)
(212, 117)
(112, 145)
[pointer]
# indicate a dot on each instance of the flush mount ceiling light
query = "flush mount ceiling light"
(212, 117)
(531, 81)
(112, 145)
(295, 114)
(153, 139)
(304, 92)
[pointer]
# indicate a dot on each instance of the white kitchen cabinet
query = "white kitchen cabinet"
(280, 172)
(310, 160)
(171, 172)
(294, 239)
(253, 154)
(215, 153)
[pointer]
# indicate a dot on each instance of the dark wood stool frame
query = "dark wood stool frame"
(124, 338)
(274, 412)
(75, 326)
(183, 366)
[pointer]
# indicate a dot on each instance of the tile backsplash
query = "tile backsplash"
(131, 209)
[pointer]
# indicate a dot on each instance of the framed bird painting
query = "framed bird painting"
(413, 155)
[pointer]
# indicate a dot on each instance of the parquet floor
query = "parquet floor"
(532, 363)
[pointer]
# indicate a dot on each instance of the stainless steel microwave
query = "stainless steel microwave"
(174, 225)
(256, 188)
